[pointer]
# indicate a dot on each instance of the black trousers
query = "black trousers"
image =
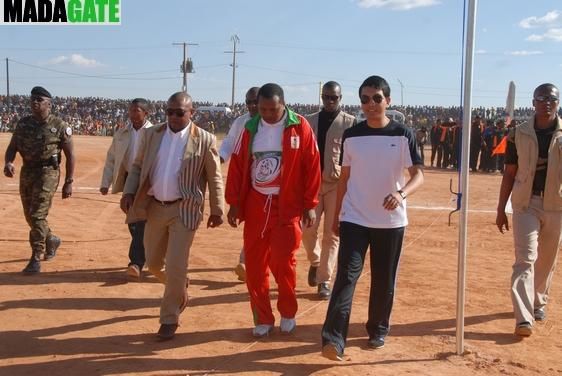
(386, 246)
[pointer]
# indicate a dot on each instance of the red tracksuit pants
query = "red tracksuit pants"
(270, 246)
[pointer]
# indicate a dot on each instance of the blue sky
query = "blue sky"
(296, 44)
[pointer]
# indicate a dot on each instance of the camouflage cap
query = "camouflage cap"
(40, 92)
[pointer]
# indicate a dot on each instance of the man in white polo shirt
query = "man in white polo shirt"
(371, 213)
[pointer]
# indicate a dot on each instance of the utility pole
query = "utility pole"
(8, 86)
(186, 65)
(235, 40)
(401, 92)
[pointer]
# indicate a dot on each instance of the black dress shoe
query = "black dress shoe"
(376, 342)
(51, 244)
(33, 267)
(167, 331)
(312, 276)
(324, 291)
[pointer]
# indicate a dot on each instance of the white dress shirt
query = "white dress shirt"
(164, 176)
(134, 143)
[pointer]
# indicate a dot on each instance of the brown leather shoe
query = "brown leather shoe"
(167, 331)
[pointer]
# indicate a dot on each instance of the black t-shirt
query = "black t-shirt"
(544, 137)
(325, 119)
(392, 130)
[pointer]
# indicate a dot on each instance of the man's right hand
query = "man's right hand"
(232, 216)
(501, 221)
(126, 202)
(9, 170)
(104, 190)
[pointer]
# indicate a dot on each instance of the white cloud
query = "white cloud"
(76, 60)
(524, 53)
(552, 34)
(480, 52)
(397, 4)
(552, 18)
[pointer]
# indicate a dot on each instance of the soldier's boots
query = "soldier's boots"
(34, 265)
(51, 244)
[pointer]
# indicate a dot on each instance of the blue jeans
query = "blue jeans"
(386, 246)
(136, 249)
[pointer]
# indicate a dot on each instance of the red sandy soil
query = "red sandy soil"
(81, 316)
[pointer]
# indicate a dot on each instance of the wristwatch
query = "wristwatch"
(402, 194)
(68, 181)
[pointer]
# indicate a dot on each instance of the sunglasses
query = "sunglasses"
(334, 98)
(175, 111)
(365, 99)
(546, 98)
(251, 101)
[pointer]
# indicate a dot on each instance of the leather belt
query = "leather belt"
(166, 203)
(538, 193)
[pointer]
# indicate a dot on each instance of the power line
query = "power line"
(117, 76)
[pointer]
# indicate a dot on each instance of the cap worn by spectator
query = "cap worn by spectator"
(40, 92)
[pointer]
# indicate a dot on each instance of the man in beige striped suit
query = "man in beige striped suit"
(166, 187)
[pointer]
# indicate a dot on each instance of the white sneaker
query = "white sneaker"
(287, 325)
(262, 330)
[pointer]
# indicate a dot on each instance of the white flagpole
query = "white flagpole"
(466, 121)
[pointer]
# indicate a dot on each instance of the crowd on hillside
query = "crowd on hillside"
(101, 116)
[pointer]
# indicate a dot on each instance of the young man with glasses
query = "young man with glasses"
(533, 162)
(227, 147)
(371, 213)
(166, 186)
(39, 139)
(120, 157)
(328, 126)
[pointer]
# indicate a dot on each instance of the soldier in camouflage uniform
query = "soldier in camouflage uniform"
(39, 139)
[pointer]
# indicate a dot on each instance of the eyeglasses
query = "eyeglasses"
(175, 111)
(546, 98)
(251, 101)
(334, 98)
(365, 99)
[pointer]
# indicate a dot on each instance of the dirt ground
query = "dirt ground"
(81, 316)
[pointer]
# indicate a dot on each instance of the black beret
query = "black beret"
(41, 92)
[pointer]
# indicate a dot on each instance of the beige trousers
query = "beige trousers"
(325, 256)
(536, 234)
(167, 242)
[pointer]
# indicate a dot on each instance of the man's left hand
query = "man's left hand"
(309, 217)
(392, 200)
(214, 221)
(66, 190)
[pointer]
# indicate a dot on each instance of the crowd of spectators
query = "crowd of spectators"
(101, 116)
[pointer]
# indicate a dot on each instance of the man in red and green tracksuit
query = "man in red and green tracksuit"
(273, 183)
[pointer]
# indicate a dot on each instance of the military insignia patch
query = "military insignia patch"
(53, 130)
(68, 131)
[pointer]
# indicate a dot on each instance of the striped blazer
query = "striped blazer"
(200, 168)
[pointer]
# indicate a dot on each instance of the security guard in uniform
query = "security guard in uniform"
(39, 139)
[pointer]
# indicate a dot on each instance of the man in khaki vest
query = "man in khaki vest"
(328, 126)
(532, 163)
